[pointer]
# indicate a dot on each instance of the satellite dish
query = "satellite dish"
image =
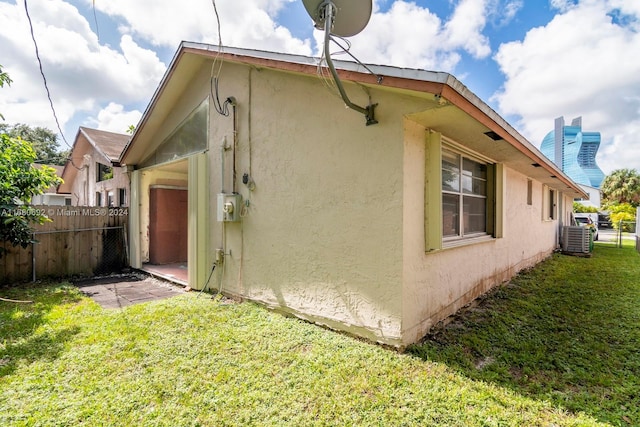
(342, 18)
(350, 16)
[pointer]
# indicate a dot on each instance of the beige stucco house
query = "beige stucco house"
(93, 175)
(379, 230)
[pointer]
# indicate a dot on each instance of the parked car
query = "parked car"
(588, 220)
(604, 221)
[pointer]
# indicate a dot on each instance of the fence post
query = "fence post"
(620, 233)
(33, 257)
(126, 244)
(637, 233)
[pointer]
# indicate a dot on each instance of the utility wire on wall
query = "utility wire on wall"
(221, 108)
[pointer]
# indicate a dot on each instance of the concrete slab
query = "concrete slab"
(124, 290)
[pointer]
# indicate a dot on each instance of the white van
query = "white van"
(587, 220)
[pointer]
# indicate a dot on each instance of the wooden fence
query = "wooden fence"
(79, 241)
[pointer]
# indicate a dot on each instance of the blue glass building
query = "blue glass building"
(574, 151)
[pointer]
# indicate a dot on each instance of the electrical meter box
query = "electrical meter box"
(229, 206)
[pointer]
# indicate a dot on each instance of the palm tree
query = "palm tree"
(622, 186)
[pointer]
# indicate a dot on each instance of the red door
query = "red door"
(167, 225)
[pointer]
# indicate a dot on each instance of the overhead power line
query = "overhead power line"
(46, 86)
(215, 9)
(44, 79)
(95, 19)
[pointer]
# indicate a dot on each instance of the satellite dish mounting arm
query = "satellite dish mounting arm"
(328, 10)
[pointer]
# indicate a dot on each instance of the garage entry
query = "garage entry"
(168, 226)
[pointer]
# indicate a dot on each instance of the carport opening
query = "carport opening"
(166, 213)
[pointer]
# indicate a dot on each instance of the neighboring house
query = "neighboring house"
(51, 197)
(594, 196)
(380, 230)
(93, 175)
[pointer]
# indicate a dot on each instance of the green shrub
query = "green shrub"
(623, 212)
(579, 207)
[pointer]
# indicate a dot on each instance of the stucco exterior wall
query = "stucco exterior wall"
(112, 186)
(85, 186)
(49, 199)
(333, 211)
(438, 283)
(321, 236)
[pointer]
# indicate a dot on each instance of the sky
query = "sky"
(530, 60)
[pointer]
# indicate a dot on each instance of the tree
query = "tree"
(622, 216)
(579, 207)
(621, 186)
(4, 79)
(43, 140)
(19, 182)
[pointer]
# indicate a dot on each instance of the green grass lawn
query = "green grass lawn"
(566, 332)
(558, 346)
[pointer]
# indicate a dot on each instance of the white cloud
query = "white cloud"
(506, 12)
(408, 35)
(579, 64)
(464, 29)
(562, 5)
(243, 23)
(114, 118)
(82, 75)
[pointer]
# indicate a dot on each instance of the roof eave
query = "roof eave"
(439, 83)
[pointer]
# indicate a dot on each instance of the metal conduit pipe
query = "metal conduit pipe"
(329, 10)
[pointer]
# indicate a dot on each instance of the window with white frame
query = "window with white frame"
(464, 195)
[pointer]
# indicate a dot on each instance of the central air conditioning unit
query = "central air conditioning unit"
(576, 239)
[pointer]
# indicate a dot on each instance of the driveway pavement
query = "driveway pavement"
(610, 235)
(124, 290)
